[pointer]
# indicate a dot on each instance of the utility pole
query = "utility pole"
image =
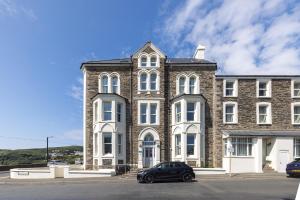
(48, 148)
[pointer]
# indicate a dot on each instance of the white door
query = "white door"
(148, 157)
(283, 160)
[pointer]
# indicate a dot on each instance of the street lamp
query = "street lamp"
(48, 147)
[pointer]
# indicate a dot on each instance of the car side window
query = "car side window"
(164, 165)
(172, 165)
(177, 165)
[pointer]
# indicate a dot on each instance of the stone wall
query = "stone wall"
(280, 103)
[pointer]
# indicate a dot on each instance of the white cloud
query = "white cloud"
(9, 8)
(77, 90)
(244, 37)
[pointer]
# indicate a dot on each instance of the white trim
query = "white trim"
(109, 82)
(148, 80)
(292, 112)
(235, 112)
(148, 61)
(84, 120)
(292, 87)
(235, 87)
(269, 112)
(148, 102)
(187, 83)
(268, 88)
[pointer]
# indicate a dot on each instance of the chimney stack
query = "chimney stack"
(199, 53)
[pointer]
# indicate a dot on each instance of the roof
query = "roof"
(188, 61)
(284, 133)
(119, 60)
(258, 76)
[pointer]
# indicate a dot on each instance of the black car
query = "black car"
(166, 171)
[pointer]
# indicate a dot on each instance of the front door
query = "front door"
(283, 160)
(148, 157)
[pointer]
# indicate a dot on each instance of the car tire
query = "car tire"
(187, 177)
(148, 179)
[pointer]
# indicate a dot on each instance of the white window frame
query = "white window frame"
(178, 113)
(111, 111)
(96, 144)
(96, 111)
(148, 117)
(293, 87)
(194, 145)
(178, 146)
(293, 112)
(186, 87)
(235, 87)
(148, 62)
(269, 112)
(119, 112)
(109, 82)
(111, 143)
(119, 144)
(268, 88)
(148, 80)
(235, 112)
(296, 145)
(195, 111)
(112, 85)
(234, 153)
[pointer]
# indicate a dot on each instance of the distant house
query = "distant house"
(151, 108)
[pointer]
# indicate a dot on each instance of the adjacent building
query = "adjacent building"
(150, 108)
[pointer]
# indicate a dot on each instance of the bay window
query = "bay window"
(178, 112)
(241, 146)
(119, 112)
(107, 143)
(190, 144)
(107, 111)
(177, 144)
(190, 113)
(119, 144)
(96, 143)
(96, 111)
(297, 147)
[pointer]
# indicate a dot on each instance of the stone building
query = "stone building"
(150, 108)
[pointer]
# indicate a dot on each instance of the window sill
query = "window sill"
(148, 124)
(230, 123)
(107, 156)
(264, 123)
(296, 124)
(296, 97)
(238, 157)
(264, 97)
(231, 96)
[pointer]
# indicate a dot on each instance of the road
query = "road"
(122, 189)
(4, 174)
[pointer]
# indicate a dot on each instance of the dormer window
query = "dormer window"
(181, 85)
(144, 61)
(153, 61)
(105, 84)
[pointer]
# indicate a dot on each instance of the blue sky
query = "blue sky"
(42, 44)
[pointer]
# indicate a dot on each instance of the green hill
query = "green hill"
(33, 156)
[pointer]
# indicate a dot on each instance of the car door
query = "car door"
(162, 171)
(174, 171)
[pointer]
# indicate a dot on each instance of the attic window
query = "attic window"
(144, 61)
(153, 61)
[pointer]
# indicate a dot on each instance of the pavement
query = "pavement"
(246, 187)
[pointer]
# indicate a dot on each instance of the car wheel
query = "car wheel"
(187, 177)
(148, 179)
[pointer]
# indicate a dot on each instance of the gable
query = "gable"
(148, 48)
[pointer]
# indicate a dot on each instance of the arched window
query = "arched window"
(143, 81)
(153, 60)
(192, 85)
(153, 78)
(104, 84)
(115, 84)
(181, 85)
(149, 139)
(144, 61)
